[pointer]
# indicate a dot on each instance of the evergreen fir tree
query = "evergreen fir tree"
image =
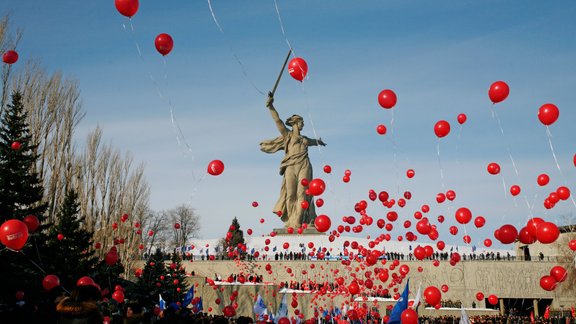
(21, 194)
(152, 281)
(176, 286)
(233, 244)
(76, 257)
(21, 190)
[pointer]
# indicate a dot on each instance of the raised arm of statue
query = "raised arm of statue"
(279, 124)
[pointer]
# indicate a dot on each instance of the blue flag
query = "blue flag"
(161, 302)
(401, 305)
(199, 306)
(188, 298)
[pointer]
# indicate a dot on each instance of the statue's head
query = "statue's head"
(293, 120)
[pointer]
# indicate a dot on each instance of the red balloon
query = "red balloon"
(525, 237)
(419, 253)
(353, 288)
(381, 129)
(487, 242)
(410, 173)
(14, 234)
(558, 273)
(463, 215)
(547, 233)
(543, 179)
(479, 221)
(127, 8)
(387, 98)
(493, 168)
(327, 169)
(31, 222)
(444, 288)
(298, 68)
(442, 128)
(572, 245)
(164, 43)
(322, 223)
(548, 283)
(216, 167)
(548, 114)
(10, 57)
(85, 281)
(432, 295)
(316, 187)
(283, 320)
(563, 192)
(498, 91)
(515, 190)
(479, 296)
(50, 282)
(16, 145)
(493, 299)
(409, 316)
(507, 234)
(118, 296)
(462, 118)
(533, 224)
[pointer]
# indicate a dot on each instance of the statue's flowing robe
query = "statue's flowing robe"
(294, 167)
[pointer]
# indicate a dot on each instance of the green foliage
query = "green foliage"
(233, 241)
(21, 194)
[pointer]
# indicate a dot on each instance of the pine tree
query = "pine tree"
(21, 190)
(21, 194)
(233, 244)
(76, 257)
(176, 286)
(152, 280)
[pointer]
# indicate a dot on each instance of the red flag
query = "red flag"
(547, 312)
(573, 312)
(531, 316)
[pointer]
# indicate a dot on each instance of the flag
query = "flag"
(532, 317)
(199, 306)
(161, 302)
(282, 308)
(573, 312)
(463, 316)
(401, 305)
(418, 297)
(259, 307)
(188, 297)
(547, 312)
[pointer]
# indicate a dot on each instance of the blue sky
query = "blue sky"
(439, 57)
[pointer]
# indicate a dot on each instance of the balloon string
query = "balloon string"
(440, 164)
(395, 154)
(242, 68)
(282, 26)
(495, 116)
(458, 143)
(549, 135)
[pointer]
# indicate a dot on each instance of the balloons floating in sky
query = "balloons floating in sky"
(442, 128)
(548, 114)
(462, 118)
(498, 91)
(387, 98)
(127, 8)
(216, 167)
(298, 68)
(164, 43)
(10, 57)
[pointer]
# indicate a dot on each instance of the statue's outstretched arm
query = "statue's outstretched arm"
(316, 142)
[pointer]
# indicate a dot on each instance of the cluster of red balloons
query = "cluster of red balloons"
(557, 275)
